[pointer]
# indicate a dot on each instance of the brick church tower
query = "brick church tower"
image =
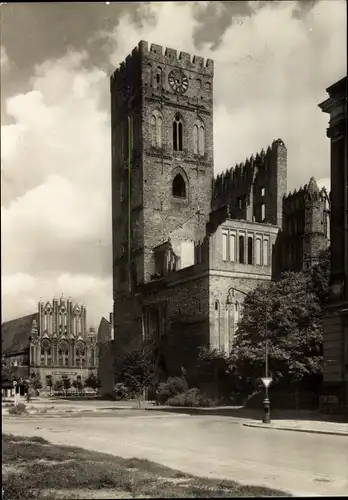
(162, 167)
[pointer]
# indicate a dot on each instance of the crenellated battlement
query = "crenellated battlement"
(300, 199)
(164, 55)
(243, 174)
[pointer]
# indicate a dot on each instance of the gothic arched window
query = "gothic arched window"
(195, 139)
(63, 354)
(156, 129)
(201, 140)
(178, 130)
(159, 128)
(198, 138)
(80, 354)
(179, 187)
(153, 131)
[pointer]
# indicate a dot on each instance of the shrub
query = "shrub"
(190, 398)
(120, 391)
(18, 409)
(172, 387)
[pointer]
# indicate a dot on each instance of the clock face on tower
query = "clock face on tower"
(178, 81)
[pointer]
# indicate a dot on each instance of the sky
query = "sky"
(273, 62)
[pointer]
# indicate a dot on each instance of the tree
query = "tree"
(287, 313)
(321, 276)
(138, 369)
(66, 384)
(58, 385)
(35, 382)
(92, 381)
(49, 383)
(213, 370)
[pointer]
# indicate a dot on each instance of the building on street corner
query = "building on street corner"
(51, 344)
(335, 372)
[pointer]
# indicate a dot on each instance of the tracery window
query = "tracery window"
(178, 133)
(156, 129)
(198, 138)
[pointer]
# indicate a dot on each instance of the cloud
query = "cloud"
(272, 68)
(4, 61)
(56, 186)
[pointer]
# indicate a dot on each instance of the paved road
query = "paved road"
(209, 446)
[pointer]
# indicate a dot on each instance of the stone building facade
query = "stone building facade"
(188, 247)
(52, 343)
(335, 373)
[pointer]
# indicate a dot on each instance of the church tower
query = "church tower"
(162, 161)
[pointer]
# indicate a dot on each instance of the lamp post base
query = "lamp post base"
(266, 411)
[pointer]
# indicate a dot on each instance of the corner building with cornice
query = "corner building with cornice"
(188, 247)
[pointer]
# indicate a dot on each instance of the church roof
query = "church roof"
(104, 330)
(15, 334)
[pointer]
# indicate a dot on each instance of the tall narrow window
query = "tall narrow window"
(201, 141)
(158, 78)
(232, 247)
(179, 187)
(258, 252)
(177, 134)
(159, 126)
(180, 136)
(224, 245)
(198, 138)
(241, 250)
(265, 252)
(195, 139)
(156, 129)
(250, 250)
(263, 212)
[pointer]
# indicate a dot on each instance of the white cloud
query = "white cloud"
(271, 72)
(4, 61)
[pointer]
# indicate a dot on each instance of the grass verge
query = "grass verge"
(34, 468)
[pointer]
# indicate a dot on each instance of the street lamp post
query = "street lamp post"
(266, 382)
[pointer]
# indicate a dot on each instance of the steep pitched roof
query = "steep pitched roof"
(15, 334)
(104, 330)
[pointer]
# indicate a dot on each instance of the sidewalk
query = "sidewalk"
(314, 427)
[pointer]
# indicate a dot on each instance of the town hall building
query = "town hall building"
(51, 344)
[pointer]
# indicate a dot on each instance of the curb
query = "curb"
(292, 429)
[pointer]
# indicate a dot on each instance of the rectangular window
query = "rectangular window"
(232, 247)
(239, 202)
(250, 250)
(258, 252)
(224, 245)
(265, 252)
(241, 250)
(263, 191)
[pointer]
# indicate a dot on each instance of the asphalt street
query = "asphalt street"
(208, 446)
